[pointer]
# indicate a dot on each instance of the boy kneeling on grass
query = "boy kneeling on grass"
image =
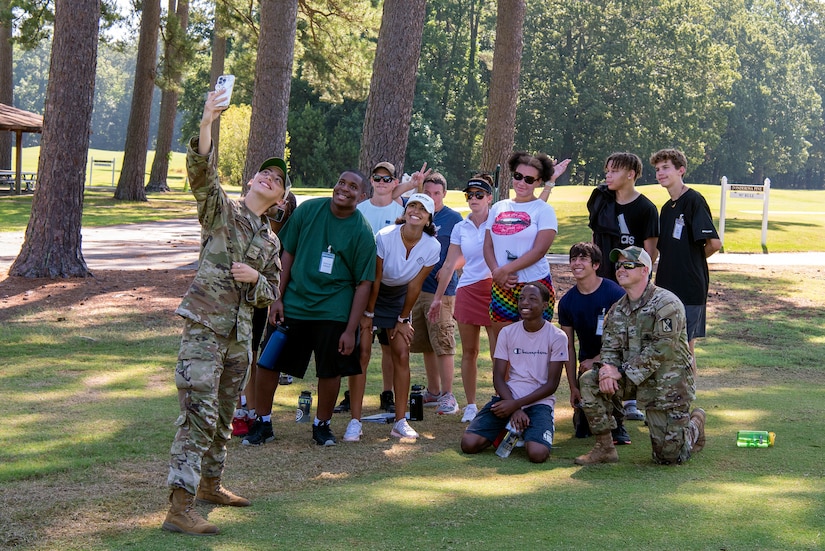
(534, 350)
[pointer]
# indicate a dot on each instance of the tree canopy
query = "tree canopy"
(736, 84)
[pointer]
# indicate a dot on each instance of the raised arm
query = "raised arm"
(415, 182)
(211, 111)
(558, 170)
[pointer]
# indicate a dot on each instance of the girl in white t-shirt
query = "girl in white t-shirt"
(520, 231)
(407, 251)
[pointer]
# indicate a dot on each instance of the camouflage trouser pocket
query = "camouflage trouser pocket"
(198, 364)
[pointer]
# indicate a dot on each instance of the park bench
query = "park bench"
(27, 180)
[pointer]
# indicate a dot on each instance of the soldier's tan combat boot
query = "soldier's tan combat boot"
(603, 452)
(211, 491)
(697, 419)
(182, 516)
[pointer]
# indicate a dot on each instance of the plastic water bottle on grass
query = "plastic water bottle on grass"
(509, 442)
(755, 439)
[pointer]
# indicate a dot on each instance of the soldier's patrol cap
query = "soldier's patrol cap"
(280, 163)
(636, 254)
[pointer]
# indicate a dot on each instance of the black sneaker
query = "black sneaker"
(388, 401)
(260, 433)
(620, 436)
(344, 405)
(322, 435)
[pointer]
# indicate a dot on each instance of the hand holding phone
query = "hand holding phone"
(224, 86)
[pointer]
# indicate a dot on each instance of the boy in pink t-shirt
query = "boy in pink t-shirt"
(536, 351)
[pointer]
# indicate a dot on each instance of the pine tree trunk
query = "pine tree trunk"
(52, 247)
(273, 80)
(166, 128)
(504, 84)
(216, 70)
(6, 86)
(175, 35)
(133, 173)
(392, 87)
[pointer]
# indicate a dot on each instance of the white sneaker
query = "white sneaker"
(447, 404)
(402, 429)
(470, 413)
(353, 432)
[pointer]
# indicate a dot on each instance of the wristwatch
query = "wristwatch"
(404, 320)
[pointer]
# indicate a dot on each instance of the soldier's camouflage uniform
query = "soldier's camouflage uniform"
(215, 350)
(648, 338)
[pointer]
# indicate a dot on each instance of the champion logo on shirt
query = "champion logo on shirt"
(533, 352)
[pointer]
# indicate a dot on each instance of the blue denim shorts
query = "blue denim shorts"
(541, 429)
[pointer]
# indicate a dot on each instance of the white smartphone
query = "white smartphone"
(225, 83)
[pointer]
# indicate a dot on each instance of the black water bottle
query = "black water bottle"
(273, 347)
(304, 405)
(417, 403)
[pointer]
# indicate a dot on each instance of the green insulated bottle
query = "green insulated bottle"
(755, 438)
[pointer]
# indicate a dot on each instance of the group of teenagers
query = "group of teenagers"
(363, 265)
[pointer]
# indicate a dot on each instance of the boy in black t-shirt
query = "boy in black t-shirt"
(688, 239)
(620, 216)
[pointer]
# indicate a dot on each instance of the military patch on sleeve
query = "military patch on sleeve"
(667, 325)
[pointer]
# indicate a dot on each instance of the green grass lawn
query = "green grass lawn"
(88, 400)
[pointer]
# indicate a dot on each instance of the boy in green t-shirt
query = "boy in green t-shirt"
(328, 268)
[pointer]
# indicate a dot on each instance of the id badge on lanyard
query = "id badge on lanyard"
(327, 261)
(678, 226)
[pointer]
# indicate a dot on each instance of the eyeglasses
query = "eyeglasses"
(528, 179)
(379, 178)
(477, 194)
(628, 265)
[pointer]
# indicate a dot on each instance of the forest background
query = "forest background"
(738, 85)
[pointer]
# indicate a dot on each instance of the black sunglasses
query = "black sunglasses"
(477, 194)
(528, 179)
(628, 265)
(378, 178)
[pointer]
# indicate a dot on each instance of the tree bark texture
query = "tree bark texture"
(52, 247)
(499, 134)
(174, 52)
(6, 86)
(273, 79)
(216, 70)
(133, 172)
(392, 86)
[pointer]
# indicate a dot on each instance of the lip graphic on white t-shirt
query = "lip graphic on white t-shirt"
(511, 222)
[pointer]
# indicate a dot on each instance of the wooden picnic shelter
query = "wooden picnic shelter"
(18, 121)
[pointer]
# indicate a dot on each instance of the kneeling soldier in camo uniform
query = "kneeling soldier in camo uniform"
(645, 347)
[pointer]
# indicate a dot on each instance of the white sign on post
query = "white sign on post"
(745, 191)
